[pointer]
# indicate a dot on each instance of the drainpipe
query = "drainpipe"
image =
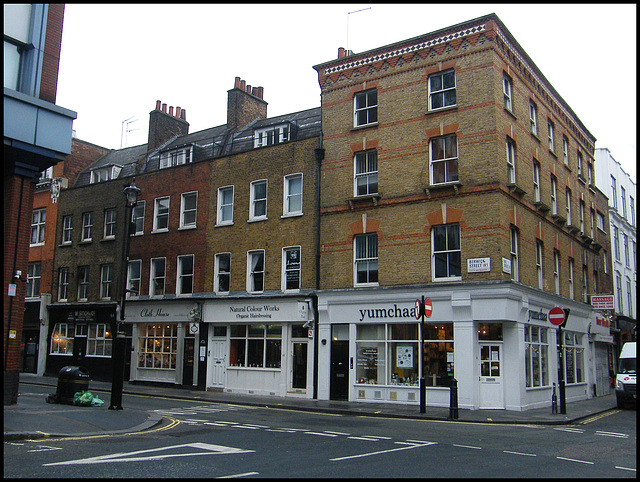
(319, 154)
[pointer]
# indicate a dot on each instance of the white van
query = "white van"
(626, 377)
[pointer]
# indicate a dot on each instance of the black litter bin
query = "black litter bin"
(71, 380)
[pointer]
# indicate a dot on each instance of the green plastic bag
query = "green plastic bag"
(83, 398)
(96, 402)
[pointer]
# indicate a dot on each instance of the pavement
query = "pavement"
(26, 421)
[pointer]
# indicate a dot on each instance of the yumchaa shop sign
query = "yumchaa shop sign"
(386, 312)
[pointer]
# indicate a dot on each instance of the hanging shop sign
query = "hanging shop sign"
(602, 302)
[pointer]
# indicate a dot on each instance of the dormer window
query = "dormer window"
(104, 174)
(271, 135)
(175, 157)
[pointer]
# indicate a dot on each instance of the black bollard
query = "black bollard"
(453, 400)
(554, 401)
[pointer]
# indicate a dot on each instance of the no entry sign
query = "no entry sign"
(556, 316)
(428, 307)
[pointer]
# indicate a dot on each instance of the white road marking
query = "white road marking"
(625, 468)
(421, 442)
(246, 474)
(336, 433)
(518, 453)
(408, 447)
(368, 439)
(205, 449)
(467, 447)
(575, 460)
(567, 429)
(45, 448)
(377, 436)
(322, 434)
(612, 434)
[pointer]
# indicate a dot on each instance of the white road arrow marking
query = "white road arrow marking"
(137, 456)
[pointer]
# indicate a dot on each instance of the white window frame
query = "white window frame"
(625, 246)
(585, 284)
(565, 150)
(623, 201)
(222, 206)
(536, 340)
(134, 284)
(614, 194)
(629, 297)
(592, 224)
(556, 271)
(568, 207)
(252, 259)
(161, 212)
(271, 135)
(34, 274)
(137, 218)
(536, 181)
(632, 211)
(183, 275)
(514, 242)
(83, 283)
(106, 281)
(533, 117)
(600, 218)
(254, 200)
(218, 273)
(618, 291)
(442, 91)
(582, 207)
(67, 229)
(290, 197)
(616, 242)
(365, 172)
(62, 344)
(449, 159)
(38, 221)
(579, 162)
(369, 109)
(448, 252)
(186, 211)
(155, 275)
(551, 136)
(110, 216)
(63, 283)
(102, 174)
(87, 226)
(554, 195)
(571, 283)
(99, 342)
(539, 263)
(507, 90)
(511, 161)
(175, 157)
(291, 264)
(368, 259)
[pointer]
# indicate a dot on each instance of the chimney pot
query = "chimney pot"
(157, 105)
(341, 52)
(237, 83)
(183, 114)
(243, 85)
(259, 92)
(178, 109)
(248, 89)
(170, 110)
(164, 107)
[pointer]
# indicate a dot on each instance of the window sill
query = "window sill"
(582, 179)
(551, 151)
(542, 207)
(365, 126)
(36, 245)
(356, 200)
(110, 238)
(560, 220)
(456, 185)
(85, 241)
(187, 228)
(446, 280)
(592, 188)
(257, 220)
(567, 167)
(510, 112)
(442, 109)
(222, 225)
(157, 231)
(291, 215)
(515, 189)
(65, 245)
(535, 136)
(365, 285)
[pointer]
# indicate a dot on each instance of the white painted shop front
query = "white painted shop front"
(495, 339)
(260, 346)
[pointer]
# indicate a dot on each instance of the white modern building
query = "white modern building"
(618, 186)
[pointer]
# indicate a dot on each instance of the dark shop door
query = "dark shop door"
(187, 367)
(339, 370)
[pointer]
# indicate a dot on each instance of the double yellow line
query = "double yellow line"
(598, 417)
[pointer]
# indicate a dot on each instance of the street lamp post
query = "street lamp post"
(131, 192)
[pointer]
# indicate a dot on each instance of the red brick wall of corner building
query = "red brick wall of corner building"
(51, 59)
(18, 198)
(173, 182)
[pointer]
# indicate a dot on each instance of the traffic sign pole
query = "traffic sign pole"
(423, 385)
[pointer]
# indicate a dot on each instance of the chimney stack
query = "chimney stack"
(244, 105)
(163, 126)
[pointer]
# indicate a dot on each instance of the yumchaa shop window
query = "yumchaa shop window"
(256, 346)
(438, 354)
(397, 343)
(157, 345)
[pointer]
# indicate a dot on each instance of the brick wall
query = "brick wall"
(51, 54)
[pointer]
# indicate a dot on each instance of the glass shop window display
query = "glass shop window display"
(438, 354)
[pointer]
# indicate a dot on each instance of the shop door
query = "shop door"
(218, 363)
(31, 355)
(299, 365)
(187, 365)
(491, 391)
(339, 370)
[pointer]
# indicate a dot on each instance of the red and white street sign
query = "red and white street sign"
(556, 316)
(428, 307)
(418, 309)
